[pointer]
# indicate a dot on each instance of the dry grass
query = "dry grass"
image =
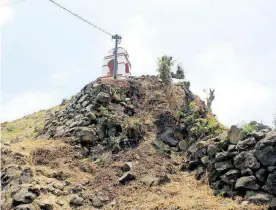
(183, 192)
(24, 128)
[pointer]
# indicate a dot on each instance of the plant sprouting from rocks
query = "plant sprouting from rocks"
(210, 97)
(249, 128)
(164, 68)
(179, 72)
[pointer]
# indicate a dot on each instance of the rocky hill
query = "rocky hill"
(136, 144)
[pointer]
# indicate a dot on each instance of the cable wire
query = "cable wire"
(80, 18)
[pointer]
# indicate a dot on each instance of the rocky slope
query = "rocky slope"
(117, 141)
(238, 163)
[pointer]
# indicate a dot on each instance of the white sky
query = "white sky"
(48, 54)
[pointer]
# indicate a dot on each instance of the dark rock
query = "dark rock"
(217, 185)
(199, 173)
(266, 156)
(103, 97)
(225, 155)
(247, 182)
(230, 177)
(223, 166)
(25, 207)
(258, 135)
(246, 172)
(271, 168)
(235, 134)
(163, 179)
(168, 137)
(269, 140)
(192, 165)
(225, 191)
(246, 143)
(127, 177)
(23, 196)
(261, 175)
(270, 185)
(76, 200)
(127, 167)
(195, 152)
(246, 160)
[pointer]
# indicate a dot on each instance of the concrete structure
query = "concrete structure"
(124, 66)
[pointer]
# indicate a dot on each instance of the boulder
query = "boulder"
(46, 205)
(103, 98)
(261, 175)
(76, 200)
(246, 172)
(168, 137)
(230, 177)
(258, 135)
(270, 185)
(271, 168)
(127, 177)
(23, 196)
(247, 182)
(82, 98)
(246, 160)
(246, 143)
(235, 134)
(223, 166)
(225, 155)
(267, 156)
(269, 140)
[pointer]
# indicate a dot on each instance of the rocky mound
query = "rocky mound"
(238, 162)
(117, 117)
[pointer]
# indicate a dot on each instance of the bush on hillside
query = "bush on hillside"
(164, 68)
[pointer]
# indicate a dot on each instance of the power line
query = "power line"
(81, 18)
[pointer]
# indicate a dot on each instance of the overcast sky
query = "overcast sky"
(48, 54)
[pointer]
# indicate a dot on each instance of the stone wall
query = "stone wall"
(238, 163)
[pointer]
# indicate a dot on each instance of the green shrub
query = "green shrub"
(249, 128)
(164, 68)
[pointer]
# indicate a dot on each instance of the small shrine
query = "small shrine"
(124, 66)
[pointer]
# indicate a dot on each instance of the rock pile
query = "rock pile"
(102, 113)
(238, 163)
